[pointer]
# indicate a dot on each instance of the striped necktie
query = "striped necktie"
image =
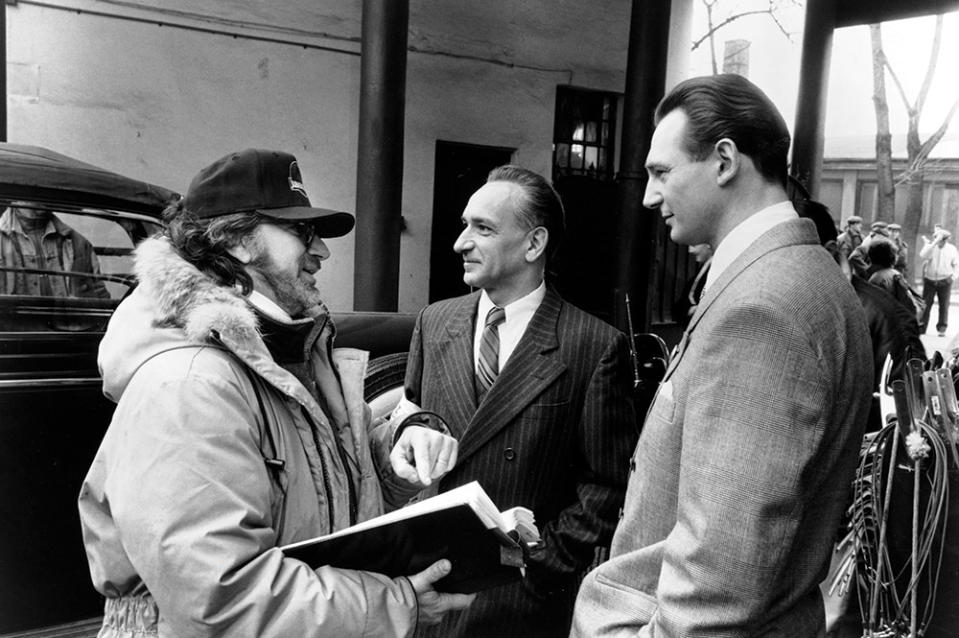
(488, 364)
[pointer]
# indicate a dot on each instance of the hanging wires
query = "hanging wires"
(891, 582)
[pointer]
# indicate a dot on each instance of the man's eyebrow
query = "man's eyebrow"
(655, 166)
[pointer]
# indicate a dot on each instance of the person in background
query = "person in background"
(902, 250)
(940, 264)
(882, 255)
(240, 429)
(859, 259)
(851, 237)
(538, 394)
(32, 237)
(741, 473)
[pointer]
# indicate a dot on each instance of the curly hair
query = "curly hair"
(882, 252)
(206, 243)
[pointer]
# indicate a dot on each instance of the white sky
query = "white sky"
(774, 66)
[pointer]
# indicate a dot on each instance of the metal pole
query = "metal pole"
(808, 140)
(379, 173)
(3, 70)
(645, 85)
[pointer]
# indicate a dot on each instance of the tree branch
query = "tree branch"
(775, 19)
(931, 67)
(730, 19)
(918, 164)
(934, 139)
(895, 79)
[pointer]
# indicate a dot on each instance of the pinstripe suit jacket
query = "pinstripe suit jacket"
(746, 457)
(554, 433)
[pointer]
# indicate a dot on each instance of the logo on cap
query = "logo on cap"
(296, 181)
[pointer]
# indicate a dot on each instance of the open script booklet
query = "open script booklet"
(485, 546)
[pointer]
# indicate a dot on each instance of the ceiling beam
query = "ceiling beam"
(856, 12)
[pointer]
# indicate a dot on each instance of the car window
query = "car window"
(66, 271)
(68, 255)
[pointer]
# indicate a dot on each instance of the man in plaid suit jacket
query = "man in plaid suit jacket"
(746, 456)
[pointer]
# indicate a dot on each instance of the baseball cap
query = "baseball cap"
(267, 182)
(879, 226)
(854, 219)
(894, 227)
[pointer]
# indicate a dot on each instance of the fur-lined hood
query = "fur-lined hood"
(174, 306)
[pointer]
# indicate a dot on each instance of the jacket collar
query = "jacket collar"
(789, 233)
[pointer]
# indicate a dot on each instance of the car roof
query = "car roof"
(37, 174)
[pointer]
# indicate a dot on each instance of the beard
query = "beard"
(291, 293)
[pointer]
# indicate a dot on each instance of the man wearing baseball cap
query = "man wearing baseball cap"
(239, 429)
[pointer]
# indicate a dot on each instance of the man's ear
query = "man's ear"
(538, 238)
(730, 161)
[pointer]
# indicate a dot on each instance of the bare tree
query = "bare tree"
(917, 151)
(716, 20)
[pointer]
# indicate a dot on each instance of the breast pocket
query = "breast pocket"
(546, 411)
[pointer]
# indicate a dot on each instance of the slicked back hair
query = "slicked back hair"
(730, 106)
(541, 205)
(205, 243)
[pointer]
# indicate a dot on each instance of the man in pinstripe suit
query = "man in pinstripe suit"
(554, 428)
(748, 450)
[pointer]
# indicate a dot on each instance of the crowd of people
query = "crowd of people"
(239, 427)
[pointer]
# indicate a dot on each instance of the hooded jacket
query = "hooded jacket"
(216, 457)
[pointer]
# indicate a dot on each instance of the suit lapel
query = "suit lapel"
(455, 356)
(532, 367)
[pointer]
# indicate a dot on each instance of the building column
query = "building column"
(850, 186)
(809, 131)
(3, 70)
(645, 86)
(379, 171)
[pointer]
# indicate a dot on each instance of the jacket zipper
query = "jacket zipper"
(339, 445)
(349, 479)
(326, 474)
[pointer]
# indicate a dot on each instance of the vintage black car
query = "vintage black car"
(52, 412)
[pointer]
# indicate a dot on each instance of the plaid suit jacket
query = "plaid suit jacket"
(554, 433)
(746, 456)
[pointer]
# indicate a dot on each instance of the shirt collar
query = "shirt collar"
(744, 235)
(268, 307)
(526, 304)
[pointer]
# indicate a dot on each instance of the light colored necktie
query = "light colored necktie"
(488, 364)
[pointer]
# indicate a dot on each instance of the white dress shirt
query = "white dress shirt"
(511, 330)
(744, 235)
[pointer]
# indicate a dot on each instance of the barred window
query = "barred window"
(584, 133)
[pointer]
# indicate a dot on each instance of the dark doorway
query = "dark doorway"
(585, 263)
(460, 170)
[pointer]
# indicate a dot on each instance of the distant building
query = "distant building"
(848, 185)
